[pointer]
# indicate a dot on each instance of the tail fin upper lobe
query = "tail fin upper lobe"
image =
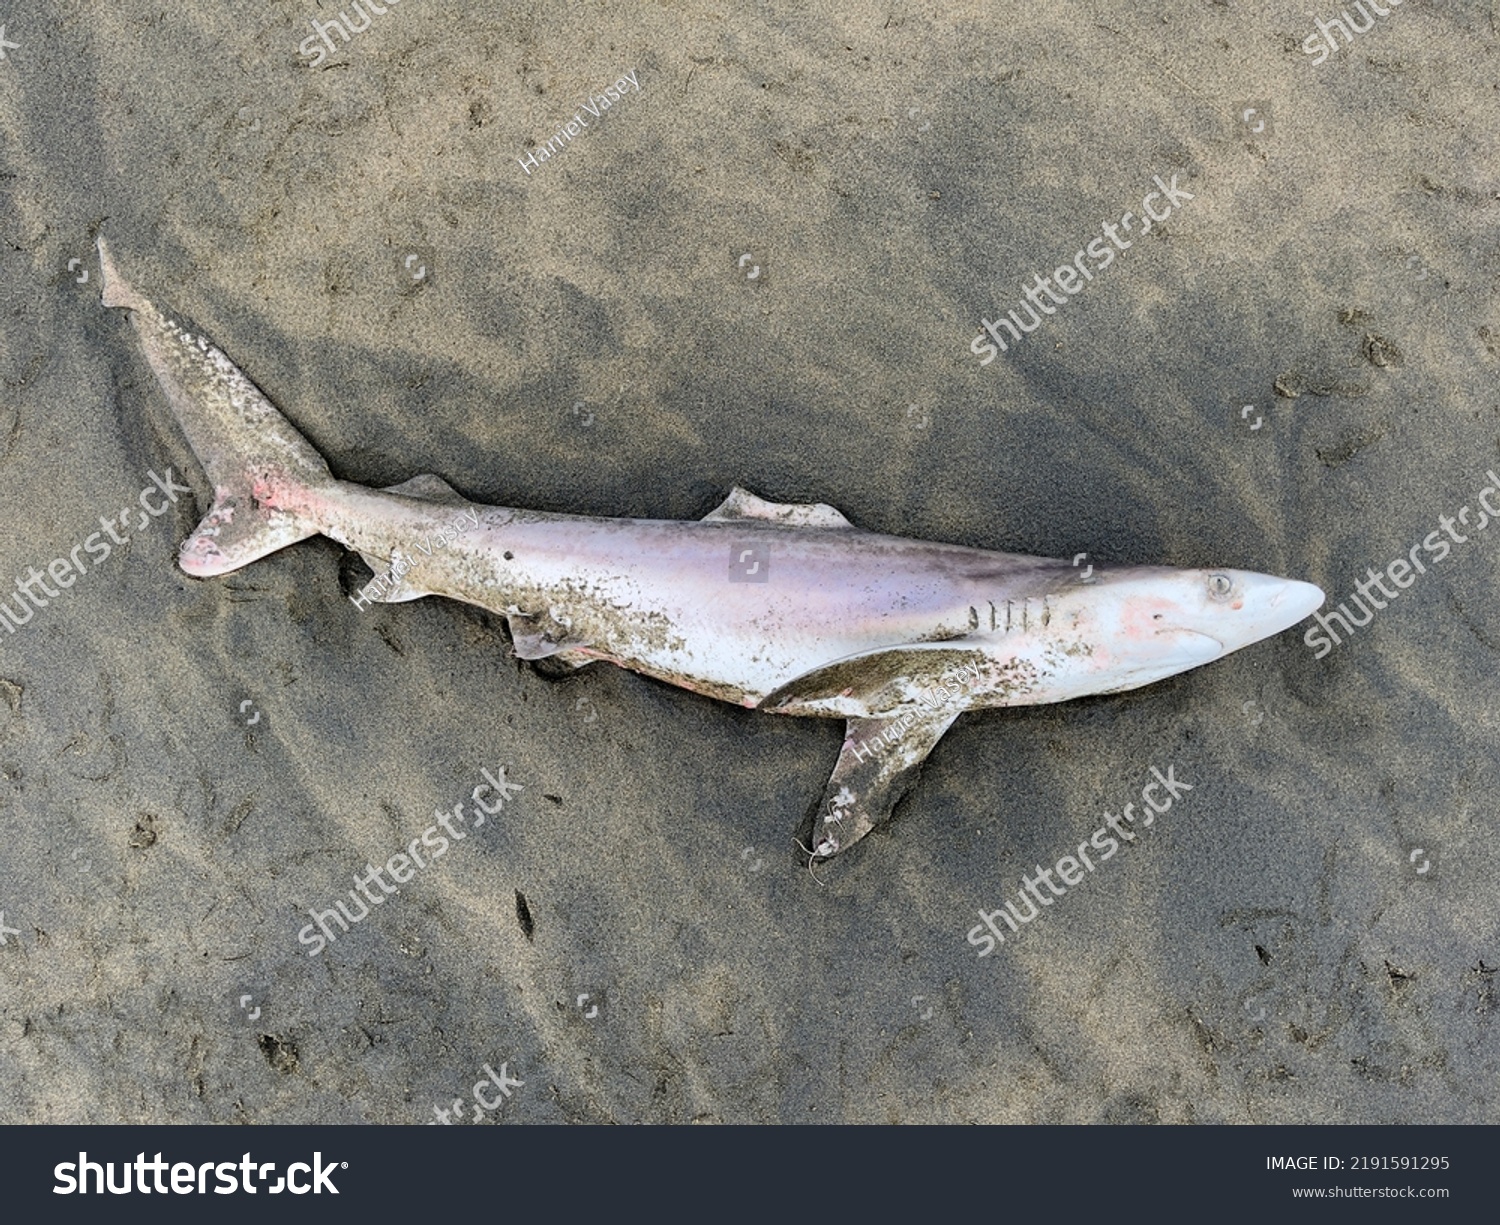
(266, 475)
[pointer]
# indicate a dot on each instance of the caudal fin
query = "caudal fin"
(266, 475)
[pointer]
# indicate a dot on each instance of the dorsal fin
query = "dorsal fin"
(429, 488)
(742, 504)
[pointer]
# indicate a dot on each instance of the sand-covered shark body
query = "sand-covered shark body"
(896, 636)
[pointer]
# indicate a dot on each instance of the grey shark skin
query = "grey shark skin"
(896, 636)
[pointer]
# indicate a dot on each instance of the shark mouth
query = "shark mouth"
(1218, 645)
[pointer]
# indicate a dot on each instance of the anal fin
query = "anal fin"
(390, 584)
(563, 663)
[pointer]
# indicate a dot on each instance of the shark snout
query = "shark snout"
(1295, 600)
(1269, 605)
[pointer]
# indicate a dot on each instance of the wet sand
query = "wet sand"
(189, 768)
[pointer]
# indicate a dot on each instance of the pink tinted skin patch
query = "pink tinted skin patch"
(198, 556)
(1142, 618)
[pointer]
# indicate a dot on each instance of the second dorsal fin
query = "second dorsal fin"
(742, 504)
(430, 488)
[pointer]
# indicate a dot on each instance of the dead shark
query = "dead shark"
(898, 637)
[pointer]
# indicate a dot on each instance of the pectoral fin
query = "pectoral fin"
(878, 763)
(873, 683)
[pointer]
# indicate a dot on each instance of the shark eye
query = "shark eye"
(1219, 586)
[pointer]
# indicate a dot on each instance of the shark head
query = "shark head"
(1144, 623)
